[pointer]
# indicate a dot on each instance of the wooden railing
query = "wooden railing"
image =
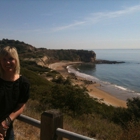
(51, 126)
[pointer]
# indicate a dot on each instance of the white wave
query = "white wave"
(104, 84)
(126, 89)
(138, 94)
(120, 87)
(83, 75)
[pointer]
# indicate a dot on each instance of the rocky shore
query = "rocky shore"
(108, 62)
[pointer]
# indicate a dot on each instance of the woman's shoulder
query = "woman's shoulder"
(24, 79)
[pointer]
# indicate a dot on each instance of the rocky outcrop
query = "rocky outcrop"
(42, 61)
(39, 61)
(108, 62)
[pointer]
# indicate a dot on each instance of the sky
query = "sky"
(72, 24)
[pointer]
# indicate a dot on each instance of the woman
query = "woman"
(14, 91)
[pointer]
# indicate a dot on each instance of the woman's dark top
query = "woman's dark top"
(12, 93)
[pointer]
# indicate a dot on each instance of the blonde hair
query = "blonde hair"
(12, 51)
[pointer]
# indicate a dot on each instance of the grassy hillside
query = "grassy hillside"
(82, 114)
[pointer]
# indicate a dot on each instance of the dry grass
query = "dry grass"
(25, 132)
(91, 126)
(88, 125)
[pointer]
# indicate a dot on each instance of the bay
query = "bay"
(121, 80)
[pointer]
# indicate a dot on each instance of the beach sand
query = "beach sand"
(92, 87)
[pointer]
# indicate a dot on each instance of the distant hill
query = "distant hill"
(21, 46)
(49, 55)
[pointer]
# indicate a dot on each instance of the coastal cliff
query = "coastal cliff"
(44, 56)
(53, 55)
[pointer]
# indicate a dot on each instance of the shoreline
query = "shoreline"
(93, 88)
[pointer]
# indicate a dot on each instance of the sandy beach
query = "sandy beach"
(92, 87)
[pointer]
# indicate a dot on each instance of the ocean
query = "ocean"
(121, 80)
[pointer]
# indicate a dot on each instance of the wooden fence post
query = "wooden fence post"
(50, 121)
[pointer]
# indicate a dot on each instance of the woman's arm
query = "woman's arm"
(17, 111)
(6, 123)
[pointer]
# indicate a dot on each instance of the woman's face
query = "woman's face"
(8, 63)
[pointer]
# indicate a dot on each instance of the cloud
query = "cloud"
(118, 13)
(99, 16)
(68, 26)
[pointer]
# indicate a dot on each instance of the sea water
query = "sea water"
(122, 79)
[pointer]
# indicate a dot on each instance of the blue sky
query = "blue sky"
(72, 24)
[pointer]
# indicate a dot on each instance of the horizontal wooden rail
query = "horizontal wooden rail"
(71, 135)
(29, 120)
(51, 125)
